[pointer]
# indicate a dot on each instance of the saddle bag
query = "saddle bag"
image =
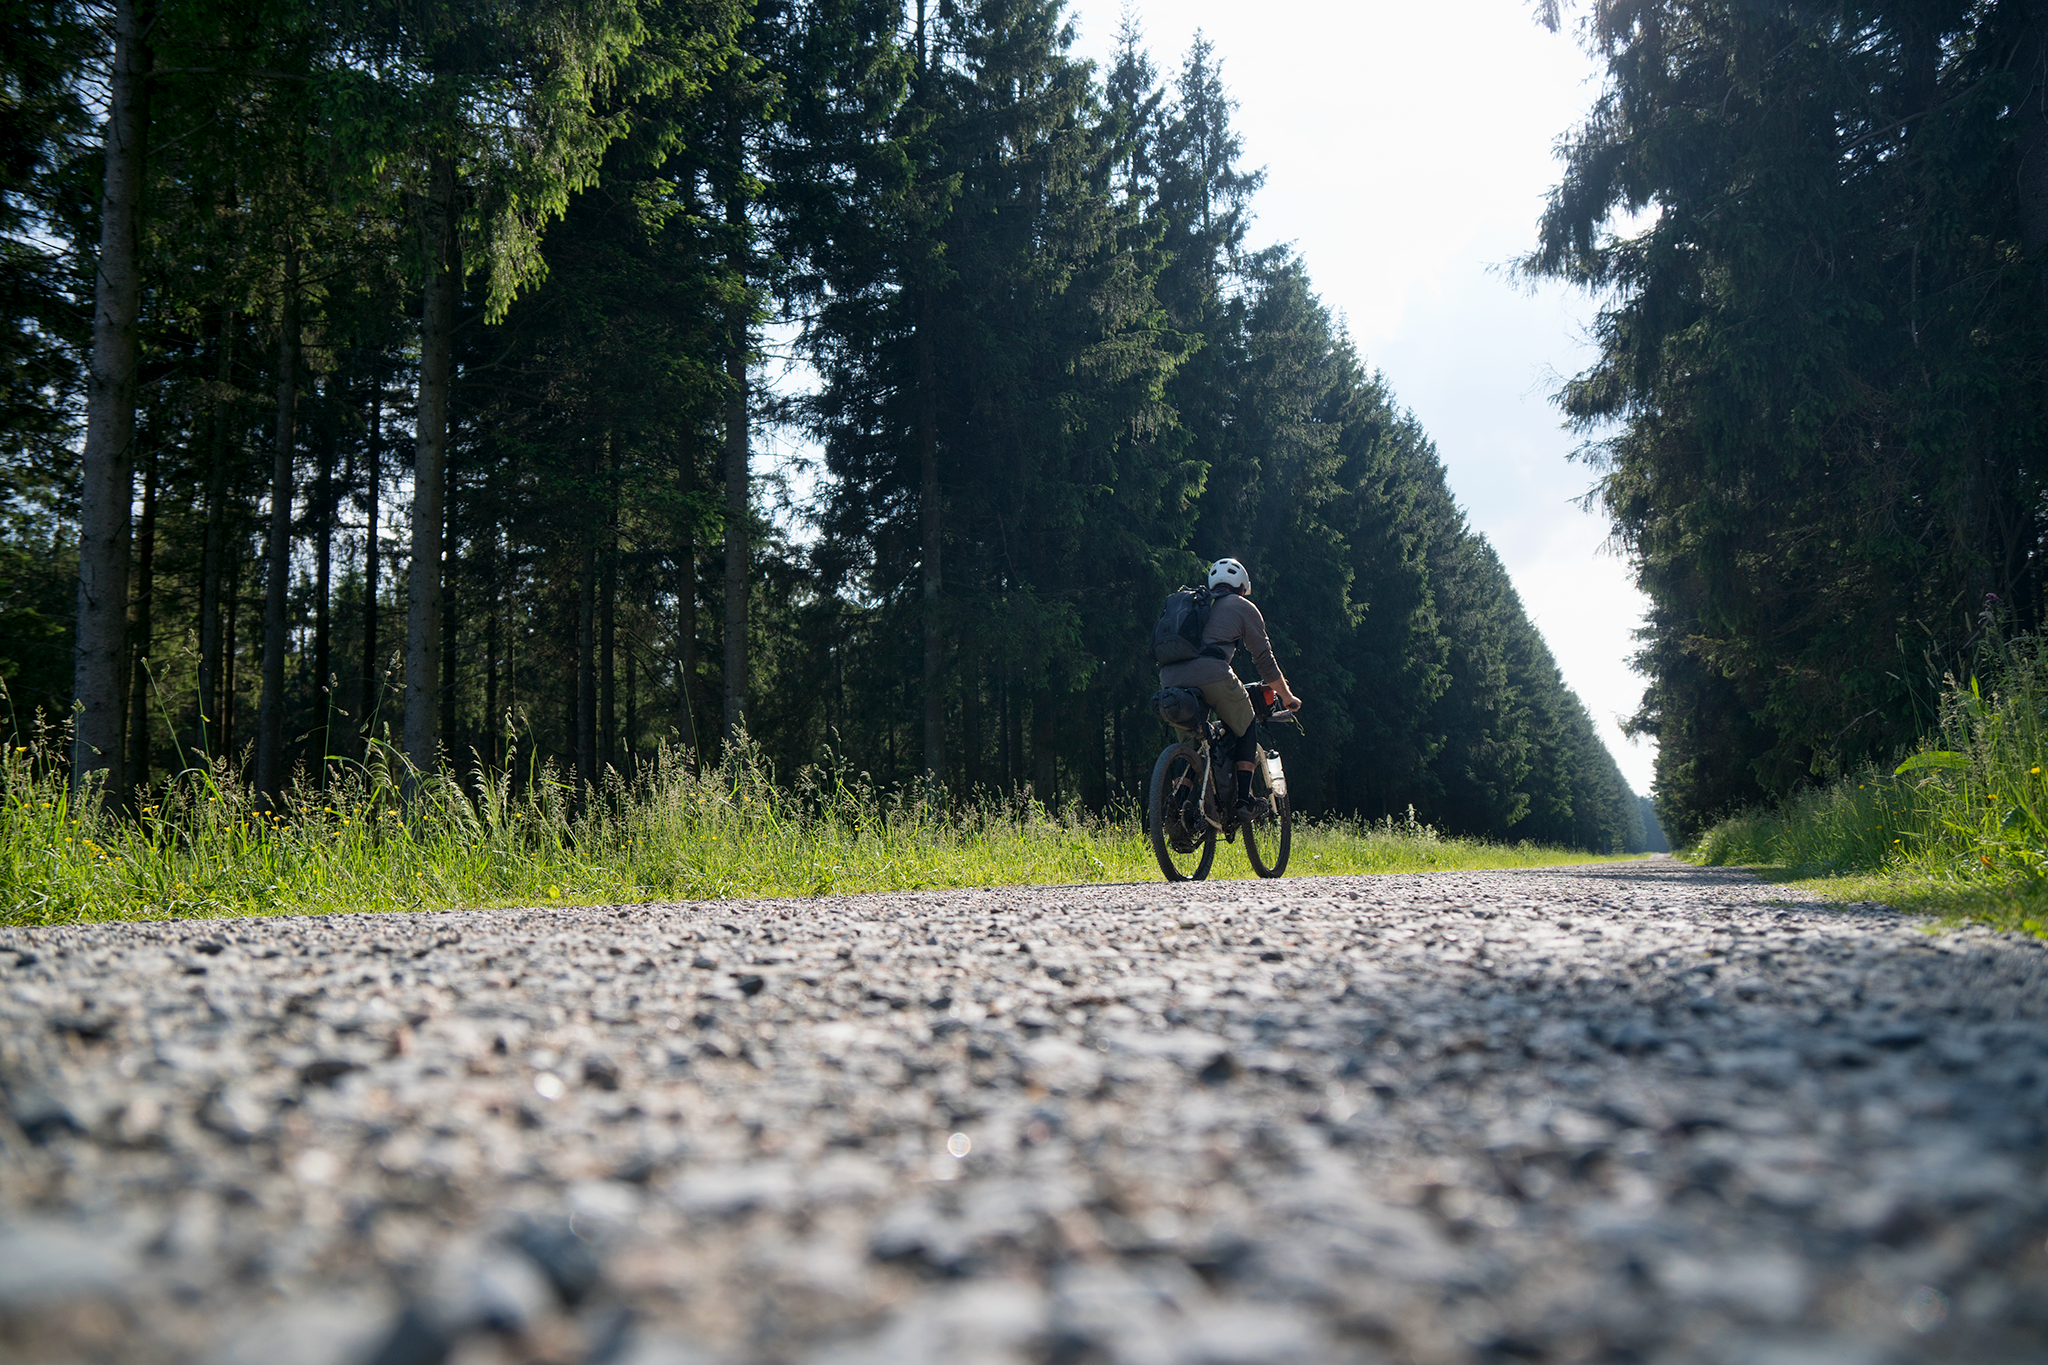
(1180, 707)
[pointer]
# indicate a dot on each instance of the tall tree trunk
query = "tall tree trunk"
(1094, 773)
(629, 745)
(586, 681)
(1014, 742)
(323, 583)
(686, 624)
(738, 503)
(437, 369)
(106, 482)
(572, 677)
(493, 611)
(230, 649)
(277, 569)
(144, 626)
(214, 551)
(736, 547)
(931, 528)
(451, 628)
(1042, 771)
(737, 528)
(2030, 109)
(1008, 769)
(1121, 781)
(608, 637)
(452, 740)
(607, 663)
(373, 544)
(510, 705)
(972, 741)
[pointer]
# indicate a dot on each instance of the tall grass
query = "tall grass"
(1969, 810)
(379, 836)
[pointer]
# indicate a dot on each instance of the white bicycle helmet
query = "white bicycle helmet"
(1228, 573)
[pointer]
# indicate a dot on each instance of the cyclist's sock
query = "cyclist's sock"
(1244, 786)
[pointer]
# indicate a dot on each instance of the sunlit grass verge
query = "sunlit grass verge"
(205, 846)
(1960, 832)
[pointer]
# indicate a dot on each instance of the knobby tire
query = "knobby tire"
(1178, 758)
(1279, 827)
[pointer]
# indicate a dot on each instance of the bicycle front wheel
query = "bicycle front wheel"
(1182, 841)
(1268, 841)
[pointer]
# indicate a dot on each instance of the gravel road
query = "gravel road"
(1625, 1113)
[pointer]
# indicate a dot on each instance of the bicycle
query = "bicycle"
(1191, 798)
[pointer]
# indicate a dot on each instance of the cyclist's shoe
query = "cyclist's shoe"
(1258, 808)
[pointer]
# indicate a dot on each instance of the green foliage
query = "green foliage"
(1816, 410)
(38, 584)
(1970, 814)
(984, 248)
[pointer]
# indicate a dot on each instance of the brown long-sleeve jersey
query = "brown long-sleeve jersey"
(1233, 621)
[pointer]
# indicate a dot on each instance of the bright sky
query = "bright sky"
(1407, 151)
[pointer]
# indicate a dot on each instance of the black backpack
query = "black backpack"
(1177, 634)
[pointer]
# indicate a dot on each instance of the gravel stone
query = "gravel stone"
(1634, 1112)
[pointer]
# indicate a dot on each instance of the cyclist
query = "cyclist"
(1233, 621)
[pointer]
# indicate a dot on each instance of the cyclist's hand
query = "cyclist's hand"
(1288, 699)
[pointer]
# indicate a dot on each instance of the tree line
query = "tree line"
(408, 374)
(1818, 408)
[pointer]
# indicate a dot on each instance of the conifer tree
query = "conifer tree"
(1055, 380)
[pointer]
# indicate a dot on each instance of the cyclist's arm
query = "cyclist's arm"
(1260, 647)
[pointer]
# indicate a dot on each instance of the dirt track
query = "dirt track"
(1637, 1112)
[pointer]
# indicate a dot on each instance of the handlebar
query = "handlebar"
(1266, 706)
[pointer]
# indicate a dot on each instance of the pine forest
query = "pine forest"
(1817, 412)
(527, 385)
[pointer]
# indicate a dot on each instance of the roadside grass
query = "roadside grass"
(203, 845)
(2009, 906)
(1958, 832)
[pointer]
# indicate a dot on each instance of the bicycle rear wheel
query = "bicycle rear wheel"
(1272, 835)
(1182, 841)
